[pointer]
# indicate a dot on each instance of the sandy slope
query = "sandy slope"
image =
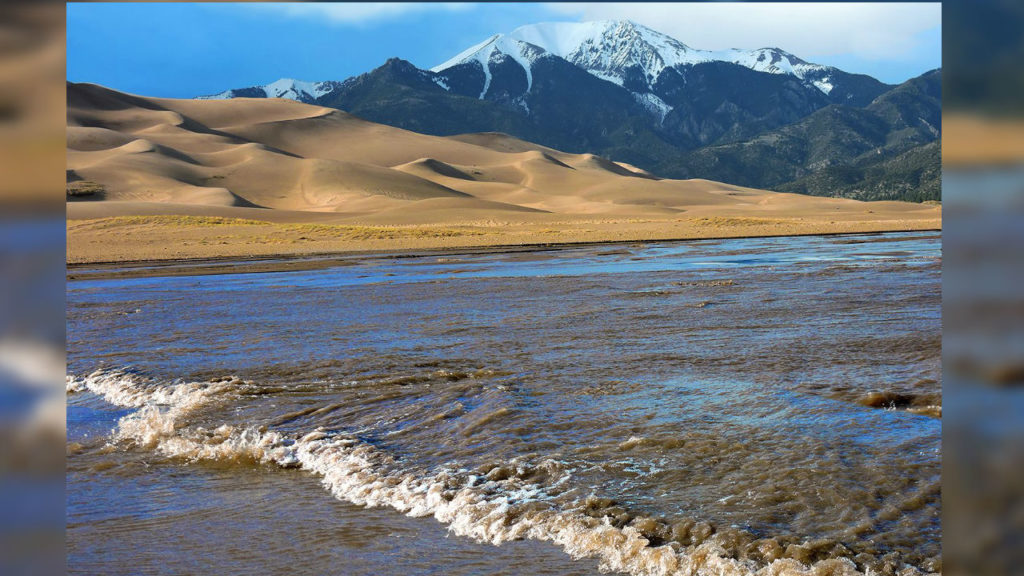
(286, 162)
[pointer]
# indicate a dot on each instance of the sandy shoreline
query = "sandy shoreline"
(175, 247)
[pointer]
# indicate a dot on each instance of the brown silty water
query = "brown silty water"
(738, 406)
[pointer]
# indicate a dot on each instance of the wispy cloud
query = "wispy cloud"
(356, 13)
(877, 31)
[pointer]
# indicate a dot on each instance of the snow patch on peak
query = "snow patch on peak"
(523, 53)
(770, 60)
(824, 85)
(611, 49)
(608, 48)
(560, 38)
(471, 53)
(775, 61)
(225, 95)
(654, 105)
(486, 65)
(762, 60)
(286, 88)
(290, 89)
(493, 48)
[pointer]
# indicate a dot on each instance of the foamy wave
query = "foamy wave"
(497, 507)
(133, 391)
(162, 413)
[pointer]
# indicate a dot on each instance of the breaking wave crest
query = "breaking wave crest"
(505, 503)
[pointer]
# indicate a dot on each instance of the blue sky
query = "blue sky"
(185, 50)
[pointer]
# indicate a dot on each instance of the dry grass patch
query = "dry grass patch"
(84, 189)
(270, 229)
(162, 220)
(733, 221)
(376, 232)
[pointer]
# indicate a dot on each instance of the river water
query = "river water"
(734, 406)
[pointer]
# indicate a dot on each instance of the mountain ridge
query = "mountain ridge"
(630, 44)
(625, 91)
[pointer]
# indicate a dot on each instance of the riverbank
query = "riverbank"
(168, 239)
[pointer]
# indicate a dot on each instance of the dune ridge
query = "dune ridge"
(282, 161)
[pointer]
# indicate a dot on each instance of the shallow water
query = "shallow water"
(725, 405)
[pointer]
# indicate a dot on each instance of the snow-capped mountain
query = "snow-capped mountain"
(288, 88)
(495, 49)
(619, 51)
(615, 50)
(653, 67)
(634, 94)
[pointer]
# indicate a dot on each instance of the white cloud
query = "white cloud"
(875, 31)
(358, 12)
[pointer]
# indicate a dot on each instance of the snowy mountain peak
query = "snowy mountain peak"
(619, 51)
(610, 49)
(492, 49)
(607, 48)
(287, 88)
(225, 95)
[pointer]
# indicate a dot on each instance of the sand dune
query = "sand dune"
(500, 142)
(283, 161)
(429, 167)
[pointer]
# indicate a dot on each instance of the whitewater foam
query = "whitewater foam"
(495, 507)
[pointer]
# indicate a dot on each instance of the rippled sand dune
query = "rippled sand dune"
(281, 161)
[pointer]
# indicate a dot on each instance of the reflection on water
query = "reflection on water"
(656, 407)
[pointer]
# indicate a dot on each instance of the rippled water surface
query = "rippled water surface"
(733, 406)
